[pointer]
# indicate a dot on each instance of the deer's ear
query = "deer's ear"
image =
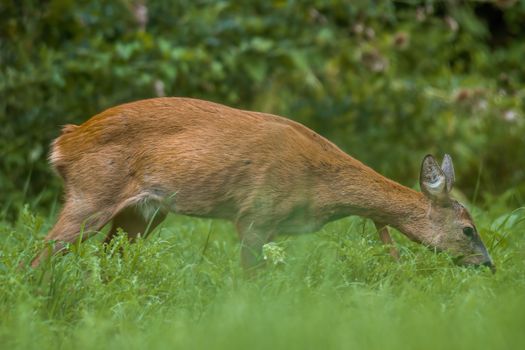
(448, 169)
(432, 180)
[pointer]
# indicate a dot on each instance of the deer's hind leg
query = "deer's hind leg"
(133, 222)
(78, 219)
(253, 238)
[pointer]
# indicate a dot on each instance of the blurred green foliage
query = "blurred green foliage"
(387, 81)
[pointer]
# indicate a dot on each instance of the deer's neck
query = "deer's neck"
(358, 190)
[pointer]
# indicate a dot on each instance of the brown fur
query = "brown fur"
(267, 174)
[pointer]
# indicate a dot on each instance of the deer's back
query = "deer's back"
(212, 159)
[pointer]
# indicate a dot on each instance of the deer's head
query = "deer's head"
(448, 225)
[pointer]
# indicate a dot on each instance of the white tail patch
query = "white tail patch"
(55, 156)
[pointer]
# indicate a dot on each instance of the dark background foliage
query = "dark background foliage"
(387, 81)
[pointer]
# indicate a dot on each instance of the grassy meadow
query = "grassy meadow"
(183, 287)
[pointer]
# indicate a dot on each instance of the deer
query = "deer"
(134, 163)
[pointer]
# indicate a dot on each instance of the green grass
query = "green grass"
(338, 289)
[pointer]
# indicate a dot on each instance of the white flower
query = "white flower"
(273, 253)
(510, 115)
(158, 85)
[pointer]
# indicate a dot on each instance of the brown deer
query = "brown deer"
(136, 162)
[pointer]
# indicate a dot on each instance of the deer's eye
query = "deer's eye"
(468, 231)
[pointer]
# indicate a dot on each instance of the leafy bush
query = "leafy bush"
(388, 83)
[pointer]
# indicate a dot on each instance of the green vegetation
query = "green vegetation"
(388, 83)
(338, 289)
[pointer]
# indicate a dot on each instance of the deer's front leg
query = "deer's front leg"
(252, 240)
(385, 237)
